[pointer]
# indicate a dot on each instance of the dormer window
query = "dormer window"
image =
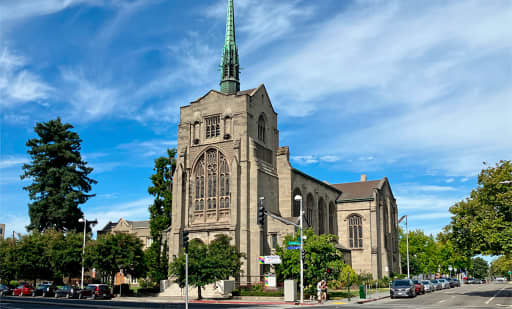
(261, 128)
(212, 126)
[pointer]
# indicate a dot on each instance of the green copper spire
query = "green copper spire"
(230, 67)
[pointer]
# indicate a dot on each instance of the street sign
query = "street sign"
(450, 267)
(294, 243)
(269, 259)
(510, 272)
(293, 247)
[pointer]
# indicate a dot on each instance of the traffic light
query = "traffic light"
(261, 214)
(303, 255)
(184, 237)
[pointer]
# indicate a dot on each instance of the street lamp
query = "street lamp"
(299, 199)
(84, 221)
(407, 241)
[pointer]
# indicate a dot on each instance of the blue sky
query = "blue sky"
(417, 91)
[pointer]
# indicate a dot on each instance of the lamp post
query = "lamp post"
(407, 241)
(84, 221)
(299, 199)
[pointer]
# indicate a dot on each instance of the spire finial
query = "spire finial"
(230, 66)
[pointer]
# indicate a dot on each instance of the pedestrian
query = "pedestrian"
(319, 290)
(324, 290)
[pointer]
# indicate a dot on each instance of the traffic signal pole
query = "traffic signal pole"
(301, 257)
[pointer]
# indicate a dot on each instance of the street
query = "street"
(467, 296)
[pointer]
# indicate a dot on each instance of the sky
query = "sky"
(419, 92)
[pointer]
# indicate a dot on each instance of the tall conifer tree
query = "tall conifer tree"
(60, 181)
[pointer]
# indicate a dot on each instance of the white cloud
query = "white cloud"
(133, 210)
(149, 148)
(329, 158)
(17, 84)
(10, 161)
(304, 159)
(449, 180)
(422, 202)
(431, 188)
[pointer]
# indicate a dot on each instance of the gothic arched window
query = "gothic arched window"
(332, 218)
(211, 185)
(261, 128)
(321, 216)
(309, 210)
(296, 204)
(355, 231)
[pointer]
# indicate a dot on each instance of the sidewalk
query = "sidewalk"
(253, 300)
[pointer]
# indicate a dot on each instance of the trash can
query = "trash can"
(362, 294)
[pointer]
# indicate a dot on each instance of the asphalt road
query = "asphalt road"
(492, 296)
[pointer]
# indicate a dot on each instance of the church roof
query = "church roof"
(139, 224)
(357, 190)
(248, 91)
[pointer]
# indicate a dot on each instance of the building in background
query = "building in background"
(2, 231)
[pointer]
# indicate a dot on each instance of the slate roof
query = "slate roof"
(357, 190)
(108, 227)
(248, 91)
(139, 224)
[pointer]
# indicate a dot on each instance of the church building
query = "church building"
(229, 156)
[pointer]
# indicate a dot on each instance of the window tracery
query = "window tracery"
(212, 181)
(355, 231)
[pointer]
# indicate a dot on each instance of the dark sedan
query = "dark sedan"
(44, 290)
(72, 292)
(5, 290)
(403, 287)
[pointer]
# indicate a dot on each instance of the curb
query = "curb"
(248, 302)
(370, 300)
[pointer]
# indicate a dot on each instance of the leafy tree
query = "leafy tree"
(482, 224)
(479, 268)
(501, 266)
(60, 178)
(32, 260)
(160, 215)
(320, 254)
(7, 259)
(208, 263)
(113, 252)
(65, 252)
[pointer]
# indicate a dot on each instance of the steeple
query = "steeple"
(230, 67)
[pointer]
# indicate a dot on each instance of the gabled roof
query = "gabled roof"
(139, 224)
(358, 190)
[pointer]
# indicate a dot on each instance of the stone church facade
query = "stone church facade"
(229, 156)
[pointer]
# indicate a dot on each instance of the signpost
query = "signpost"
(269, 259)
(293, 247)
(294, 243)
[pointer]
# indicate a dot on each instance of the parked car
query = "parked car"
(429, 286)
(471, 281)
(457, 282)
(500, 280)
(444, 284)
(44, 290)
(99, 291)
(403, 287)
(450, 282)
(437, 285)
(72, 292)
(23, 289)
(5, 290)
(420, 288)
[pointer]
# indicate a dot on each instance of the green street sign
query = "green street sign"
(294, 243)
(510, 272)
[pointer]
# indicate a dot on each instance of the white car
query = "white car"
(444, 283)
(500, 280)
(429, 286)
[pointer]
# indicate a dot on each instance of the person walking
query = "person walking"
(324, 290)
(319, 290)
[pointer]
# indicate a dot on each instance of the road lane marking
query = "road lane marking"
(492, 298)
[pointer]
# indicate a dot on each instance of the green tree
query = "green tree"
(208, 263)
(60, 181)
(32, 260)
(501, 266)
(320, 254)
(112, 252)
(65, 252)
(7, 260)
(482, 224)
(479, 268)
(160, 215)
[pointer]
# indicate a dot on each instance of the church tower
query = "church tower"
(226, 161)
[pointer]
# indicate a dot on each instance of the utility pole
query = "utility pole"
(299, 198)
(407, 242)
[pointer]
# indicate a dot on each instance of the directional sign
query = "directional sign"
(293, 247)
(294, 243)
(269, 259)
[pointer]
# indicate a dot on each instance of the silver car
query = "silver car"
(436, 284)
(444, 283)
(429, 287)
